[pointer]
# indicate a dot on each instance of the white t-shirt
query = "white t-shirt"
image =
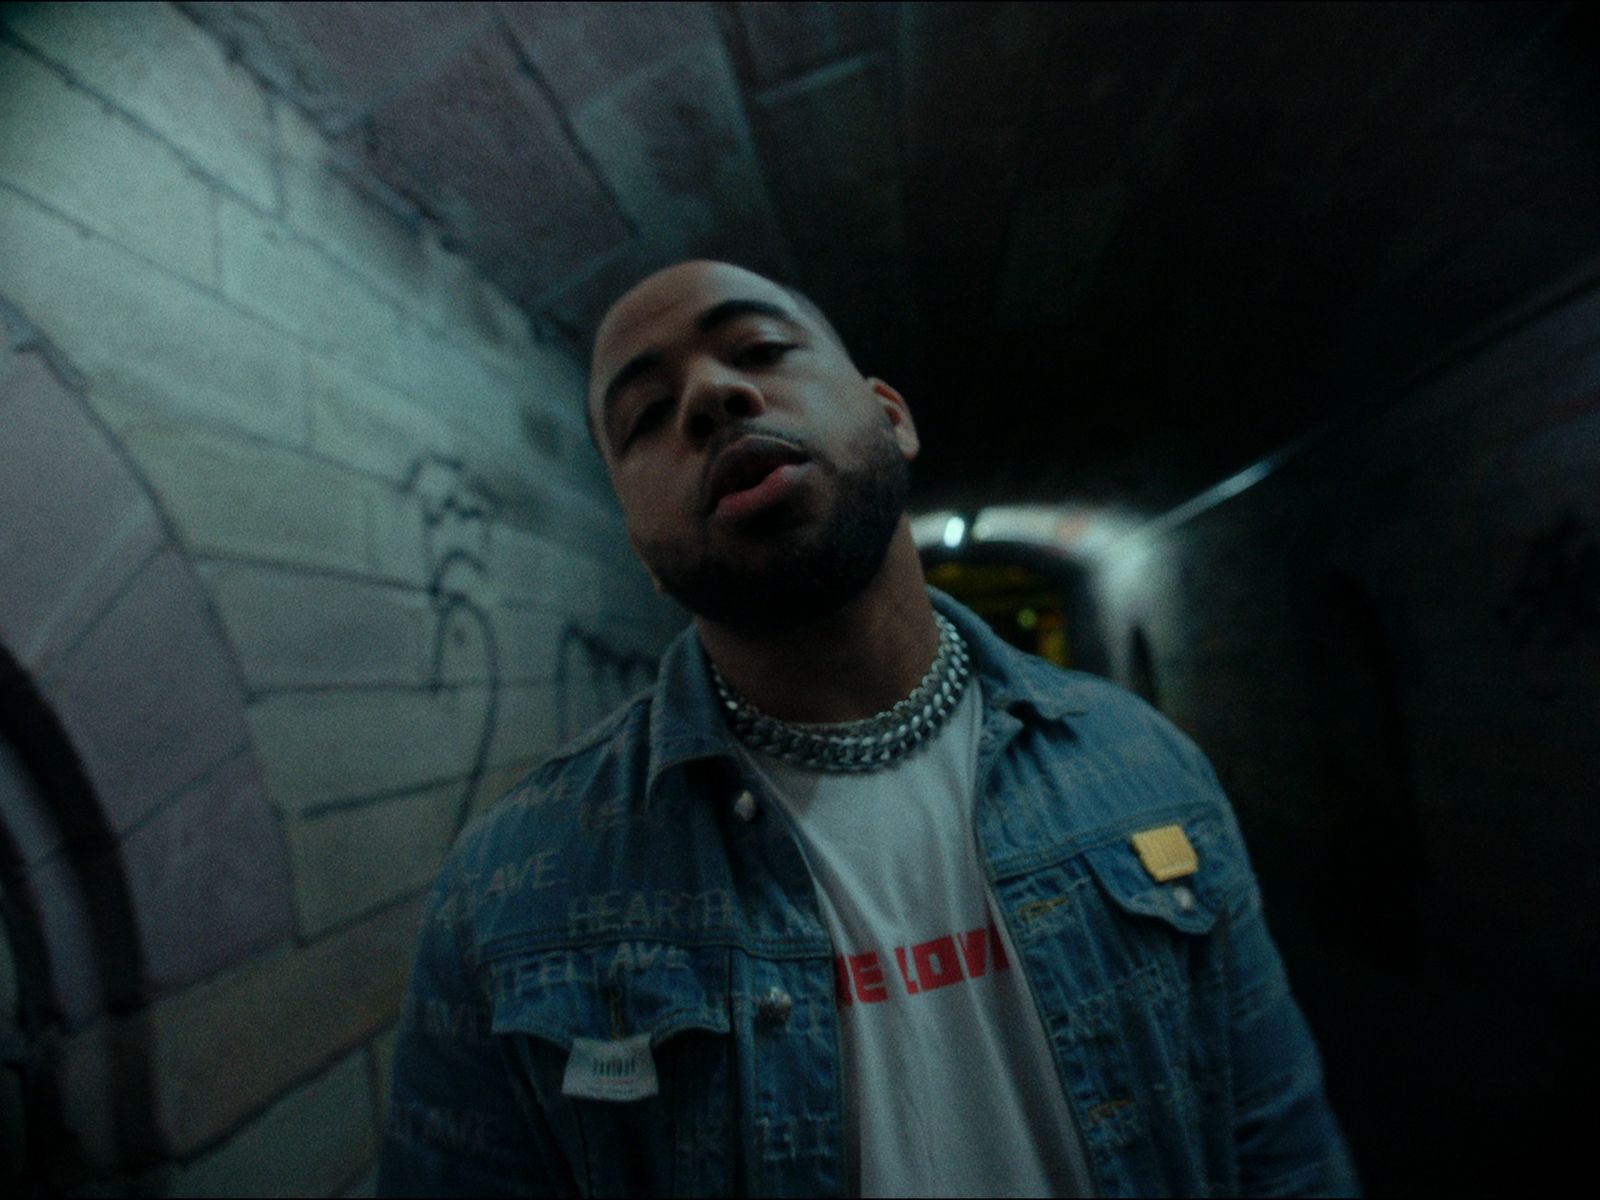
(950, 1087)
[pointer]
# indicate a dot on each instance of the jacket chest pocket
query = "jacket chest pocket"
(1125, 948)
(625, 1047)
(1163, 930)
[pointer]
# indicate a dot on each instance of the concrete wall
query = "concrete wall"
(304, 556)
(1390, 647)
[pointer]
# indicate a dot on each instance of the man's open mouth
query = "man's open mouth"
(740, 475)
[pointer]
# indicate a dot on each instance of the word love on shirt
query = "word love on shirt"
(936, 963)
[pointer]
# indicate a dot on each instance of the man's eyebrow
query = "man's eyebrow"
(728, 310)
(713, 317)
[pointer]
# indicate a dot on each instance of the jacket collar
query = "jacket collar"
(686, 723)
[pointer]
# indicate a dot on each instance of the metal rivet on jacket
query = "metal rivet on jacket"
(773, 1009)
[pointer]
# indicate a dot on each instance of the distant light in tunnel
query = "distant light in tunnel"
(1086, 533)
(1077, 531)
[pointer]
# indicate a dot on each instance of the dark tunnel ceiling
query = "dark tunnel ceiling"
(1109, 252)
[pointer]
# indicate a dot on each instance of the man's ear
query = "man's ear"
(898, 412)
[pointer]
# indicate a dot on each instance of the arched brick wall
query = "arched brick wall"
(154, 859)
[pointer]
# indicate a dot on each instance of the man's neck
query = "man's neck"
(853, 664)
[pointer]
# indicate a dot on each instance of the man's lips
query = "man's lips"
(746, 466)
(773, 487)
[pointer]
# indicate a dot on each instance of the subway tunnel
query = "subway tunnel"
(1255, 353)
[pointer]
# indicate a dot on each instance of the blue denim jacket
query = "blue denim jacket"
(613, 893)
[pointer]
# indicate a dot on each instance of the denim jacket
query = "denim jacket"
(620, 892)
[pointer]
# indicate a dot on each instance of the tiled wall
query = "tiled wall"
(306, 548)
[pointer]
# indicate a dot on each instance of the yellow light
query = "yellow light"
(1027, 618)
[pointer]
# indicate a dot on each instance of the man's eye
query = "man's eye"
(762, 354)
(649, 417)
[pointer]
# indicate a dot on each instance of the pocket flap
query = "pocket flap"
(610, 992)
(1189, 903)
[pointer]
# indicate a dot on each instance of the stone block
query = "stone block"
(390, 250)
(472, 311)
(333, 746)
(582, 50)
(464, 648)
(56, 897)
(267, 268)
(368, 425)
(529, 475)
(531, 569)
(464, 386)
(150, 61)
(586, 465)
(63, 148)
(149, 697)
(208, 878)
(530, 721)
(307, 1144)
(478, 143)
(401, 543)
(676, 148)
(375, 50)
(274, 1024)
(349, 861)
(77, 522)
(528, 638)
(149, 345)
(559, 509)
(291, 629)
(243, 499)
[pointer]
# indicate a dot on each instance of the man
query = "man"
(856, 899)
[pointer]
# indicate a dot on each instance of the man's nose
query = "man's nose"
(714, 397)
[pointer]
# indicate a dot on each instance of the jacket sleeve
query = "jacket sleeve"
(1287, 1140)
(460, 1120)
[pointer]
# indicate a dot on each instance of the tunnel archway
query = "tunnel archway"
(138, 850)
(1023, 576)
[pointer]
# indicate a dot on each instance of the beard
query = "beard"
(797, 575)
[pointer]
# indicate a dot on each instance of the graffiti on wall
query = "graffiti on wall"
(1556, 598)
(458, 513)
(593, 672)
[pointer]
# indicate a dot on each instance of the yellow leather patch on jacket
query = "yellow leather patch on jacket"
(1166, 853)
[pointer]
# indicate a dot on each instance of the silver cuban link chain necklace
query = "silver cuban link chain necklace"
(870, 744)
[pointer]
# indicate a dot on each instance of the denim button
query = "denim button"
(744, 806)
(1184, 897)
(774, 1007)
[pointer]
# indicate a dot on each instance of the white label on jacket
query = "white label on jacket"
(620, 1070)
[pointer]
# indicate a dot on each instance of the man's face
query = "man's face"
(760, 476)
